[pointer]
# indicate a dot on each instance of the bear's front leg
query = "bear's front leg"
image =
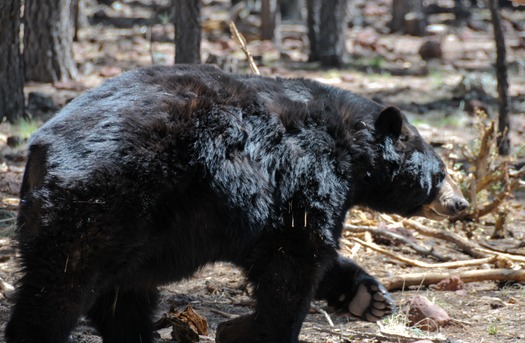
(285, 270)
(349, 289)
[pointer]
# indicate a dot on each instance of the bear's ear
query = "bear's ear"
(389, 122)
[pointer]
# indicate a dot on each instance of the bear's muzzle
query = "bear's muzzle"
(448, 203)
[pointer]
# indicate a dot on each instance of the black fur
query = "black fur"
(157, 172)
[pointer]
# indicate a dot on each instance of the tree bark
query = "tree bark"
(503, 84)
(78, 16)
(48, 41)
(312, 10)
(270, 20)
(291, 9)
(11, 67)
(332, 33)
(408, 17)
(187, 31)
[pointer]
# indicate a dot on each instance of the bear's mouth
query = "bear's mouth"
(430, 212)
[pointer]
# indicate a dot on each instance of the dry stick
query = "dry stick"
(455, 264)
(422, 250)
(461, 242)
(241, 42)
(324, 313)
(402, 281)
(515, 258)
(496, 250)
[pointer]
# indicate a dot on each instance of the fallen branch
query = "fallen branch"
(422, 250)
(514, 258)
(462, 243)
(515, 251)
(455, 264)
(402, 281)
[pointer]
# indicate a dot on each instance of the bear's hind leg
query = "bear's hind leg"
(350, 289)
(48, 306)
(125, 315)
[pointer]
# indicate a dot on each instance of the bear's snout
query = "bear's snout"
(448, 203)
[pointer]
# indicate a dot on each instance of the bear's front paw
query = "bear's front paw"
(371, 301)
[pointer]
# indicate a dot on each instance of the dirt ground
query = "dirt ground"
(385, 67)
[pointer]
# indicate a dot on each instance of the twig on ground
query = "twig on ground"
(462, 243)
(514, 258)
(402, 281)
(493, 249)
(454, 264)
(420, 249)
(325, 314)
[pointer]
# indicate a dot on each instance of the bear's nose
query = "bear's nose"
(459, 205)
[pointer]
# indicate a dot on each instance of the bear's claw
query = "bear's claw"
(371, 301)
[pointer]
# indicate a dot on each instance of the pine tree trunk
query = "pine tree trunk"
(11, 68)
(312, 10)
(332, 33)
(48, 41)
(408, 17)
(291, 10)
(503, 83)
(187, 31)
(271, 21)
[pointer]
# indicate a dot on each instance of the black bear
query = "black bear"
(161, 170)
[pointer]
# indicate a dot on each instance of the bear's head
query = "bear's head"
(408, 177)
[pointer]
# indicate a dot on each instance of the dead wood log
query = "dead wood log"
(401, 281)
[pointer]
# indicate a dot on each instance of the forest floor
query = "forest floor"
(436, 95)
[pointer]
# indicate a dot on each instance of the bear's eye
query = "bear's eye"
(440, 177)
(403, 137)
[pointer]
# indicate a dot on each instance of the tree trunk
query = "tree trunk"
(312, 10)
(332, 33)
(78, 15)
(503, 84)
(408, 17)
(11, 67)
(48, 41)
(291, 10)
(187, 31)
(270, 20)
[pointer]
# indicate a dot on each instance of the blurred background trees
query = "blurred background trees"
(45, 52)
(11, 69)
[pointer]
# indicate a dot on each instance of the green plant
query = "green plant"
(25, 128)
